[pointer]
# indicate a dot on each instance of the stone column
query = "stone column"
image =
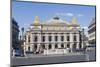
(77, 35)
(71, 37)
(71, 46)
(59, 40)
(53, 41)
(71, 41)
(65, 40)
(31, 42)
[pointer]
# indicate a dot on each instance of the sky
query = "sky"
(24, 12)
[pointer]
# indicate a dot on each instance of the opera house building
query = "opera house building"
(56, 36)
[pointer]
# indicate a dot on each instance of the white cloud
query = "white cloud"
(68, 14)
(64, 14)
(79, 15)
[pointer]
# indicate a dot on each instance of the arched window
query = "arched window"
(62, 45)
(43, 38)
(43, 46)
(35, 38)
(50, 38)
(74, 45)
(29, 48)
(35, 46)
(56, 45)
(75, 38)
(68, 45)
(56, 38)
(50, 46)
(68, 38)
(29, 39)
(62, 38)
(80, 45)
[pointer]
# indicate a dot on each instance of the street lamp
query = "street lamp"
(22, 41)
(80, 40)
(83, 39)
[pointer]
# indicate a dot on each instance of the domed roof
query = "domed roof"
(57, 20)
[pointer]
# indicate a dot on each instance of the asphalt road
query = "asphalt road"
(41, 59)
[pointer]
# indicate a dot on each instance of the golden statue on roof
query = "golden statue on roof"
(36, 20)
(74, 21)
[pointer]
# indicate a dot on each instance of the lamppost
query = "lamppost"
(80, 39)
(22, 41)
(83, 39)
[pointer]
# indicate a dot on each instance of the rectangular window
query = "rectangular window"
(50, 46)
(62, 38)
(43, 46)
(50, 38)
(43, 38)
(75, 38)
(68, 45)
(29, 48)
(62, 45)
(68, 38)
(56, 45)
(56, 38)
(28, 38)
(35, 38)
(35, 46)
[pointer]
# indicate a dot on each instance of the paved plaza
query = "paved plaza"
(48, 59)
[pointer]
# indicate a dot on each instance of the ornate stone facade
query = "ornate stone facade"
(52, 37)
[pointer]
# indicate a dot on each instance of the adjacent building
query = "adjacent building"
(15, 33)
(92, 35)
(55, 36)
(92, 32)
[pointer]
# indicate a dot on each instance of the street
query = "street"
(48, 59)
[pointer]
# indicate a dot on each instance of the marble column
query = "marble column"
(59, 40)
(77, 35)
(71, 37)
(52, 35)
(65, 40)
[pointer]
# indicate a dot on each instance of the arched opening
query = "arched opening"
(62, 45)
(74, 46)
(29, 48)
(56, 45)
(50, 46)
(43, 46)
(35, 46)
(68, 45)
